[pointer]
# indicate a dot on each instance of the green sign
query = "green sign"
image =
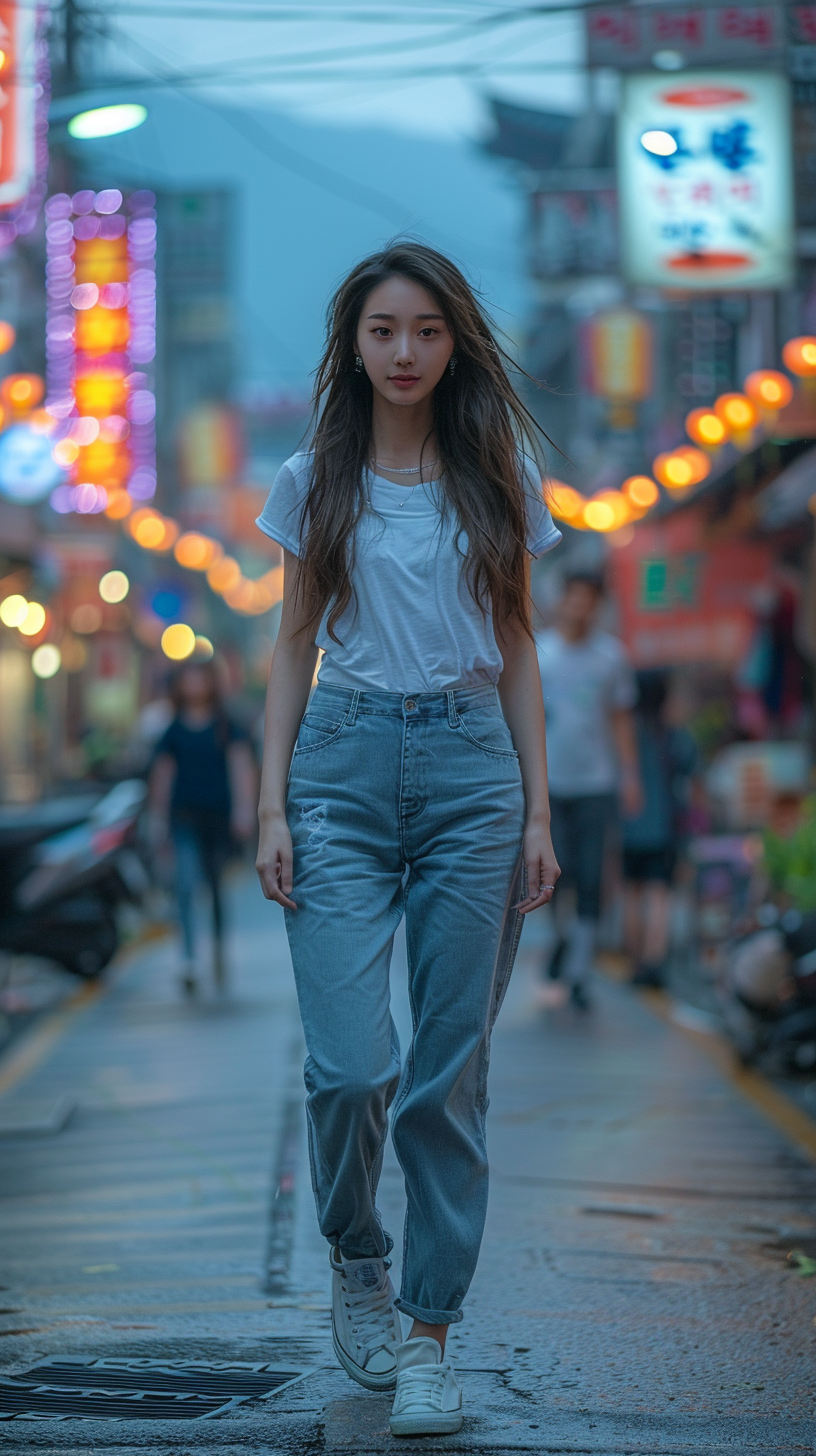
(668, 582)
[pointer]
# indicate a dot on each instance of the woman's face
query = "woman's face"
(403, 341)
(195, 688)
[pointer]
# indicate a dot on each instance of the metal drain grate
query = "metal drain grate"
(113, 1389)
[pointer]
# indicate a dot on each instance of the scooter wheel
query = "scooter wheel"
(90, 959)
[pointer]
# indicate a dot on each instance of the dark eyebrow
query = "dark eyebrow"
(419, 316)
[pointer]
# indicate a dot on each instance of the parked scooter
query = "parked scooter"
(65, 867)
(768, 991)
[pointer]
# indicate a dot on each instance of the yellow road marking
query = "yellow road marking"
(776, 1107)
(34, 1045)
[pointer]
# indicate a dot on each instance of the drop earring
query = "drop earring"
(358, 364)
(452, 365)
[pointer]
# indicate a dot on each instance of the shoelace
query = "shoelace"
(371, 1317)
(420, 1386)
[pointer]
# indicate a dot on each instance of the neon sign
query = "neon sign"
(100, 347)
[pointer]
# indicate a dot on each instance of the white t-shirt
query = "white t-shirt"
(583, 683)
(416, 627)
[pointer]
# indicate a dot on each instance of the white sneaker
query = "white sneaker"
(428, 1401)
(366, 1327)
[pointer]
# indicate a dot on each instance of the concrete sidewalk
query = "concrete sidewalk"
(634, 1293)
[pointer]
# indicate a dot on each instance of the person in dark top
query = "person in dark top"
(203, 798)
(666, 757)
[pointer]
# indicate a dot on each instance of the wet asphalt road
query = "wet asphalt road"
(634, 1293)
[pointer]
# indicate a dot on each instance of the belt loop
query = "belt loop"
(351, 716)
(453, 717)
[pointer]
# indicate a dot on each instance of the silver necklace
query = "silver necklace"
(402, 470)
(405, 469)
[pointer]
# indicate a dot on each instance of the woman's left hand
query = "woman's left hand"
(541, 866)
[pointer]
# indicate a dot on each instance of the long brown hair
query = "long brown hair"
(210, 671)
(480, 423)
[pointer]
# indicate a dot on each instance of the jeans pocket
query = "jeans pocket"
(485, 728)
(317, 731)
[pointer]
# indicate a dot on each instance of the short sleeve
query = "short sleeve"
(281, 516)
(542, 533)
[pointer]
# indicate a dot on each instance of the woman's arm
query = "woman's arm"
(290, 679)
(159, 792)
(243, 782)
(523, 708)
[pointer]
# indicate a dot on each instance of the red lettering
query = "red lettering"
(702, 192)
(683, 25)
(742, 192)
(618, 27)
(753, 25)
(803, 19)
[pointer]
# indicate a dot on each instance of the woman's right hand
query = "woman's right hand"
(274, 860)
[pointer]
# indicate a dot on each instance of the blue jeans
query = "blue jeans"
(404, 804)
(202, 846)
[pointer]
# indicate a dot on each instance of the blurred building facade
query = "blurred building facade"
(692, 346)
(196, 359)
(717, 585)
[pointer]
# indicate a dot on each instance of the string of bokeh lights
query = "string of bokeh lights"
(734, 417)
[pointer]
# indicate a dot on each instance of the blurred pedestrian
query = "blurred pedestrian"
(666, 758)
(589, 693)
(414, 787)
(203, 797)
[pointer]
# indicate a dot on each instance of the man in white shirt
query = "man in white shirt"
(589, 693)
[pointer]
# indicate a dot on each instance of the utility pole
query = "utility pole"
(70, 38)
(68, 42)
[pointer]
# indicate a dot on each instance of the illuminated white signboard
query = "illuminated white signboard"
(705, 180)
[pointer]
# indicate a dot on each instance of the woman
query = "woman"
(413, 788)
(202, 796)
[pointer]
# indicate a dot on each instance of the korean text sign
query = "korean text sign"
(628, 36)
(715, 210)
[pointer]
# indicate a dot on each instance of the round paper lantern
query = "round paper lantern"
(706, 428)
(641, 491)
(769, 389)
(799, 355)
(736, 411)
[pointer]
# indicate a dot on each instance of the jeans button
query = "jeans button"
(410, 705)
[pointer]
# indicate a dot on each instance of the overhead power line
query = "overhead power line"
(392, 16)
(221, 76)
(315, 57)
(308, 168)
